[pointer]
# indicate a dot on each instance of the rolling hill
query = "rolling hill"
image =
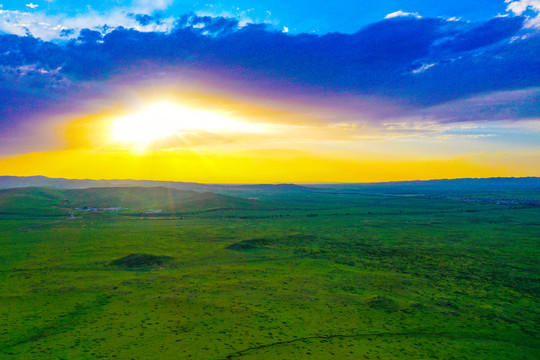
(33, 200)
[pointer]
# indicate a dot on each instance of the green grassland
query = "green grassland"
(300, 276)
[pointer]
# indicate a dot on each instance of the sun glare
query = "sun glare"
(162, 120)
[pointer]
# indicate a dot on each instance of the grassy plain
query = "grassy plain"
(319, 276)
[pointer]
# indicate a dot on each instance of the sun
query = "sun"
(164, 119)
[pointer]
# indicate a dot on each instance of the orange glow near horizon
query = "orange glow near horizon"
(261, 167)
(196, 137)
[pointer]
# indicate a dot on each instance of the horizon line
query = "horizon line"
(278, 183)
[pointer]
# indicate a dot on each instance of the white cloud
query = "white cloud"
(285, 29)
(423, 68)
(149, 6)
(462, 136)
(50, 27)
(520, 6)
(244, 17)
(32, 6)
(400, 13)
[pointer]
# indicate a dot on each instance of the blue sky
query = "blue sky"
(299, 15)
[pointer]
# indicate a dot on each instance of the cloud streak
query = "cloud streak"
(401, 13)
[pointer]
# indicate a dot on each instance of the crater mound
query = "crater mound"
(252, 244)
(142, 261)
(383, 303)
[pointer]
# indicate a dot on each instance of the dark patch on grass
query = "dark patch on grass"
(290, 241)
(383, 303)
(252, 244)
(241, 246)
(142, 261)
(418, 306)
(446, 303)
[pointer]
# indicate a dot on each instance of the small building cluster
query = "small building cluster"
(87, 208)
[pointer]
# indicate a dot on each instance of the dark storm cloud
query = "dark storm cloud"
(67, 32)
(415, 62)
(18, 51)
(512, 66)
(145, 19)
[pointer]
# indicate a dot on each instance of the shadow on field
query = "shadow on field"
(135, 261)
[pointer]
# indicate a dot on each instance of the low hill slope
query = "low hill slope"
(144, 198)
(133, 199)
(38, 201)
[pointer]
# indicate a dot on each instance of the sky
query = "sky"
(269, 91)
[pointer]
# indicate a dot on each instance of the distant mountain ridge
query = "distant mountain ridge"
(447, 185)
(8, 182)
(463, 184)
